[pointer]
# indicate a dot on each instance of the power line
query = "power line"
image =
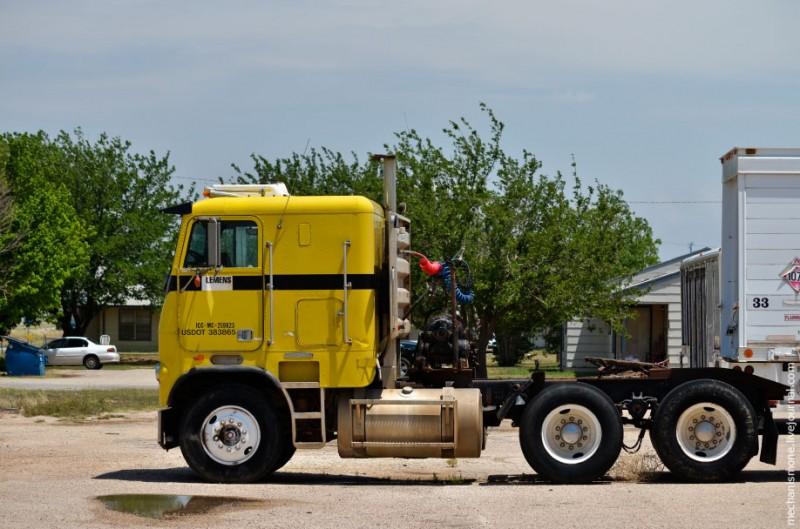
(192, 179)
(680, 202)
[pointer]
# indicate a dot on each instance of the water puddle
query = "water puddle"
(168, 505)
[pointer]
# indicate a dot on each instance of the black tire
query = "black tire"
(664, 433)
(267, 453)
(286, 455)
(91, 362)
(607, 441)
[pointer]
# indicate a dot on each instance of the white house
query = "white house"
(653, 334)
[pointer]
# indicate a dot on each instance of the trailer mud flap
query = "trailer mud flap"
(769, 441)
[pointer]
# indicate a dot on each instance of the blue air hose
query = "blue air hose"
(465, 298)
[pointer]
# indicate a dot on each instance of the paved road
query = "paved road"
(84, 379)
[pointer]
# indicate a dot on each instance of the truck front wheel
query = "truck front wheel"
(705, 430)
(287, 451)
(571, 433)
(231, 435)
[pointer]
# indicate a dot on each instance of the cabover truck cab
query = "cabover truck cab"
(280, 329)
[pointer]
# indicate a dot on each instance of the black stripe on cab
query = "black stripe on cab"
(285, 282)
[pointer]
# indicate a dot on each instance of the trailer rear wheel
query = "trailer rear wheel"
(705, 430)
(571, 433)
(231, 435)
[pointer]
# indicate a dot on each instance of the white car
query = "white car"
(77, 350)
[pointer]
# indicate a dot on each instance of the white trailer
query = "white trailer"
(760, 261)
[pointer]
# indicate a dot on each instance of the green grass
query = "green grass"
(522, 371)
(77, 404)
(547, 362)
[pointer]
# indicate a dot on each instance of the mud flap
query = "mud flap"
(769, 440)
(168, 428)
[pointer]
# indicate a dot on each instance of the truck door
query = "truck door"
(221, 286)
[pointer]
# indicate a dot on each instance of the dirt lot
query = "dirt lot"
(52, 471)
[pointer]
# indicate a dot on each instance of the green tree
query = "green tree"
(541, 252)
(316, 172)
(117, 195)
(41, 242)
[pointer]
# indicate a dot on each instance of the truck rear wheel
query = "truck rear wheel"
(571, 433)
(705, 430)
(231, 435)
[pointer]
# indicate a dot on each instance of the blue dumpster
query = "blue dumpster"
(23, 358)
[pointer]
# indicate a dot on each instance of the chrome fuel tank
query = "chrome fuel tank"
(411, 422)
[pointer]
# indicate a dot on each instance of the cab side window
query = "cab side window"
(197, 252)
(238, 245)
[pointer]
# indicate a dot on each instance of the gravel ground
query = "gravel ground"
(52, 471)
(84, 379)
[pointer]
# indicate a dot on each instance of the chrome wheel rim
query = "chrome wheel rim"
(571, 434)
(705, 432)
(230, 435)
(405, 366)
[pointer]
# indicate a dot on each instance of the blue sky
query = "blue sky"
(647, 95)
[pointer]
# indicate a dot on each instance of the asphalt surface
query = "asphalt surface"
(51, 472)
(56, 378)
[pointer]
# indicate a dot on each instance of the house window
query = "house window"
(134, 325)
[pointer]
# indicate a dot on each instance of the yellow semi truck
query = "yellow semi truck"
(280, 329)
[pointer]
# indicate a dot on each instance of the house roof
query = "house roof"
(663, 270)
